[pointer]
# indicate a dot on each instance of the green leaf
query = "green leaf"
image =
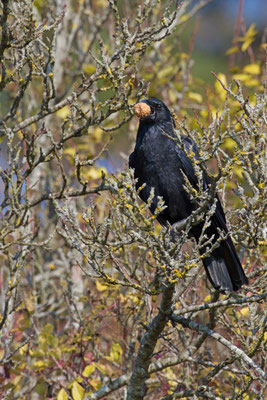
(41, 388)
(88, 69)
(48, 328)
(52, 340)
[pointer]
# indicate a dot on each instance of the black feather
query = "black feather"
(160, 164)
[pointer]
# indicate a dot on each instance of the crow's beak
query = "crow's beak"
(145, 110)
(142, 109)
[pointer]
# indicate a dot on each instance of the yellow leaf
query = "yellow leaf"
(165, 72)
(238, 127)
(96, 383)
(92, 173)
(40, 364)
(184, 18)
(252, 82)
(241, 77)
(222, 78)
(22, 350)
(63, 112)
(85, 44)
(204, 113)
(52, 266)
(88, 370)
(70, 151)
(109, 71)
(96, 135)
(101, 287)
(245, 311)
(172, 95)
(172, 378)
(232, 50)
(251, 31)
(229, 144)
(218, 87)
(183, 56)
(52, 340)
(215, 113)
(239, 172)
(46, 329)
(195, 96)
(89, 69)
(246, 44)
(101, 368)
(77, 391)
(38, 4)
(62, 395)
(229, 185)
(16, 381)
(115, 353)
(29, 302)
(252, 69)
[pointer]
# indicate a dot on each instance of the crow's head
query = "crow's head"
(152, 110)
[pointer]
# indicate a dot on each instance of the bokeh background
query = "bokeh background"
(216, 29)
(214, 26)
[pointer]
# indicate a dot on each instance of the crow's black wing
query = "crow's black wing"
(188, 170)
(223, 266)
(131, 160)
(187, 167)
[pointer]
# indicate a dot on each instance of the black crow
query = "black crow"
(159, 163)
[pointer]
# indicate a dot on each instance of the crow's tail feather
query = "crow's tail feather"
(224, 269)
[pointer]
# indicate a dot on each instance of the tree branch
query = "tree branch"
(222, 303)
(137, 386)
(187, 323)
